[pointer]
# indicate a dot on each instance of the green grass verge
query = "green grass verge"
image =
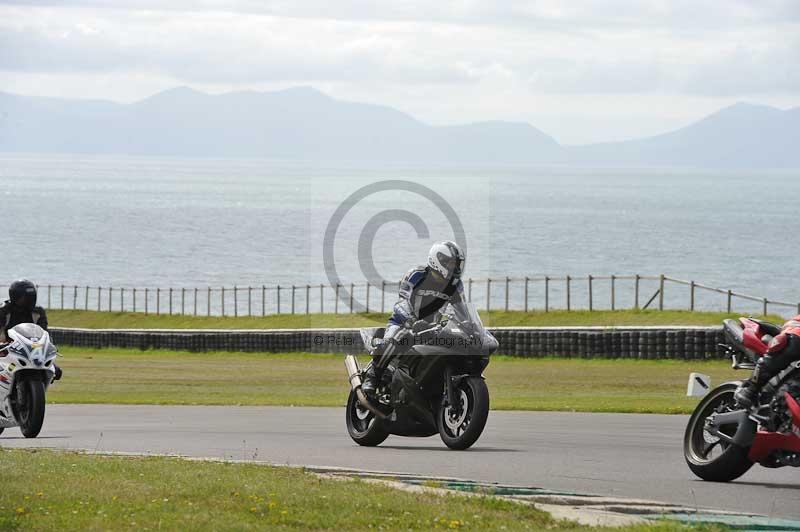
(47, 490)
(556, 318)
(127, 376)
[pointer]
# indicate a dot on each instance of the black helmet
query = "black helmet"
(22, 293)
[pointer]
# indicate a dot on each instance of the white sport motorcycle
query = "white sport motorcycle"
(27, 368)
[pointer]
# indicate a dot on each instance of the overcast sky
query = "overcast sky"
(581, 71)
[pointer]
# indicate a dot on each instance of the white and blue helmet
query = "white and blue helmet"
(447, 259)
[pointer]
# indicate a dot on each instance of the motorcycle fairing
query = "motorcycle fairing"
(764, 443)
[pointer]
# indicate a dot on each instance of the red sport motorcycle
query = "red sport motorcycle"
(722, 441)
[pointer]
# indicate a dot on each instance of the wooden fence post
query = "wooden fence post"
(764, 313)
(591, 307)
(613, 292)
(568, 293)
(546, 293)
(730, 297)
(526, 293)
(352, 290)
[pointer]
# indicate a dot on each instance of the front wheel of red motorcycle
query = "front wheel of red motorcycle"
(708, 456)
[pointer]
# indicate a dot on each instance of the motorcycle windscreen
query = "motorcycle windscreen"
(465, 331)
(466, 318)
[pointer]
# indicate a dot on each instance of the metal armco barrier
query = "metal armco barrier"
(566, 342)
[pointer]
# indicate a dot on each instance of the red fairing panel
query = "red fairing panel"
(751, 337)
(766, 442)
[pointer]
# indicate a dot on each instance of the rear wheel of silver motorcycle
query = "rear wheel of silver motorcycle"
(30, 405)
(708, 456)
(362, 425)
(461, 425)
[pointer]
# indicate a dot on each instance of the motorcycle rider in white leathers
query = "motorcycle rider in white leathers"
(424, 291)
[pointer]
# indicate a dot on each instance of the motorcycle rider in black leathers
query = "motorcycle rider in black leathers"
(783, 350)
(21, 308)
(424, 291)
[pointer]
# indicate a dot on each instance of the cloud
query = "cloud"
(444, 61)
(212, 45)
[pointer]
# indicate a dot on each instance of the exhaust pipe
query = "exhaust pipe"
(354, 376)
(353, 371)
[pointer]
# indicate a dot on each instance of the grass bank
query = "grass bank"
(163, 377)
(556, 318)
(47, 490)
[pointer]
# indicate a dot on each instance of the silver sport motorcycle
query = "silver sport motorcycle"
(434, 384)
(27, 368)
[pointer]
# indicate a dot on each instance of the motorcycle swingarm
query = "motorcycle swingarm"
(745, 427)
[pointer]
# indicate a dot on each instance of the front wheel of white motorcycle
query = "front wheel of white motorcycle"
(461, 425)
(30, 405)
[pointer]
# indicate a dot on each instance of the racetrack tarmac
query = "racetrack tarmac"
(620, 455)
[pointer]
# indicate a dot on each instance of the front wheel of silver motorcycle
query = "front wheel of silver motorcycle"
(362, 425)
(461, 425)
(30, 405)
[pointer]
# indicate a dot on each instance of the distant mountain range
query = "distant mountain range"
(305, 124)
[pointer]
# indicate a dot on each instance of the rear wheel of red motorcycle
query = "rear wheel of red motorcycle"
(460, 427)
(709, 457)
(362, 426)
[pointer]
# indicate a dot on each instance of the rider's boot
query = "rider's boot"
(371, 380)
(747, 393)
(380, 359)
(782, 351)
